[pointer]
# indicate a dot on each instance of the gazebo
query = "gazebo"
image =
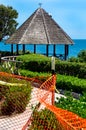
(40, 28)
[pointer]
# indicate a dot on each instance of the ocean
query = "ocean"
(79, 44)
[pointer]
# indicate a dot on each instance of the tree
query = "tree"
(82, 55)
(8, 22)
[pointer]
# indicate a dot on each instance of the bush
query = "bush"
(40, 63)
(44, 119)
(73, 105)
(73, 59)
(71, 68)
(13, 103)
(5, 53)
(35, 62)
(82, 56)
(71, 83)
(3, 91)
(8, 53)
(64, 82)
(14, 91)
(39, 75)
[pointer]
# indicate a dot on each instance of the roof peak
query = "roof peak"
(40, 5)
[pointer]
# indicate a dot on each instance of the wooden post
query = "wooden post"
(66, 52)
(67, 47)
(17, 49)
(47, 49)
(11, 49)
(34, 48)
(23, 48)
(53, 65)
(54, 50)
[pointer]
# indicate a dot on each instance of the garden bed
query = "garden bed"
(12, 92)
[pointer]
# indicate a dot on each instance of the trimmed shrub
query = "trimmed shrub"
(40, 63)
(71, 68)
(13, 103)
(44, 119)
(71, 83)
(35, 62)
(14, 91)
(38, 75)
(64, 82)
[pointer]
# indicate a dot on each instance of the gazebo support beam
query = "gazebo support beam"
(11, 49)
(34, 48)
(54, 50)
(17, 49)
(47, 49)
(23, 48)
(66, 52)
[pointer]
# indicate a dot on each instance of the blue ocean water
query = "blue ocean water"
(79, 44)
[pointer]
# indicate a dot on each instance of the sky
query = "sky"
(69, 14)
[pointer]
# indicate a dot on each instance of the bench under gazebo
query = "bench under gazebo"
(38, 29)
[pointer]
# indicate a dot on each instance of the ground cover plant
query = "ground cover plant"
(44, 119)
(73, 105)
(12, 92)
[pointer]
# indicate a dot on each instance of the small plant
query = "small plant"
(73, 105)
(9, 67)
(44, 120)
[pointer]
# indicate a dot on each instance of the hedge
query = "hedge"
(41, 63)
(71, 83)
(71, 68)
(35, 62)
(64, 82)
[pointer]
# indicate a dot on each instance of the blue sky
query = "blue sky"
(69, 14)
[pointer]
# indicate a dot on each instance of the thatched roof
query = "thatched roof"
(40, 28)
